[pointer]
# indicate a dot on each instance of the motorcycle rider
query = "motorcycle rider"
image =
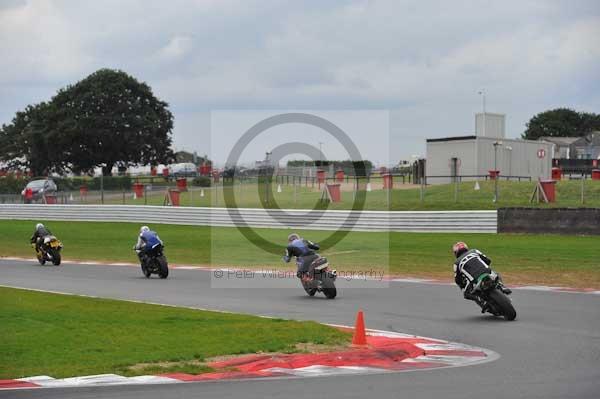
(468, 267)
(147, 239)
(303, 250)
(39, 234)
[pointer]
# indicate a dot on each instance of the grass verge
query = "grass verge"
(522, 259)
(64, 335)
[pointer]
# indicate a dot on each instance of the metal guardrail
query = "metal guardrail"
(434, 221)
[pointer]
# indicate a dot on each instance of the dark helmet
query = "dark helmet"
(293, 237)
(459, 248)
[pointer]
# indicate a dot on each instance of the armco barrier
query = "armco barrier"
(443, 221)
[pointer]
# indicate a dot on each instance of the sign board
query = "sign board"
(541, 153)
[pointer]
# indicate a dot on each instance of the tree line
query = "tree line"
(561, 122)
(107, 119)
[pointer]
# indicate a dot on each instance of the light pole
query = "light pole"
(496, 144)
(321, 152)
(509, 149)
(482, 93)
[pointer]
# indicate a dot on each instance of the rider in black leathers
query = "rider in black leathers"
(468, 267)
(303, 250)
(39, 234)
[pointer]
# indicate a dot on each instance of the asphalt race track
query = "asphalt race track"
(552, 350)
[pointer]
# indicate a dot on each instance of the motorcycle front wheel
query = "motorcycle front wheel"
(309, 290)
(56, 259)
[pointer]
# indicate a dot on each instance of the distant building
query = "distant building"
(562, 147)
(474, 156)
(586, 147)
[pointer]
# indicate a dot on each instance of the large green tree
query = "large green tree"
(25, 143)
(106, 119)
(561, 122)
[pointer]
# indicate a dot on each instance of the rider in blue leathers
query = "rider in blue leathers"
(147, 240)
(303, 250)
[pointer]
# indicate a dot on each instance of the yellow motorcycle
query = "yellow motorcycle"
(49, 250)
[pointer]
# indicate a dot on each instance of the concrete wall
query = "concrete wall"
(439, 155)
(549, 221)
(495, 125)
(514, 157)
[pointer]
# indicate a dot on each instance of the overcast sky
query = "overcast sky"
(422, 61)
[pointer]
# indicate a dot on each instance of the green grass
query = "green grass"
(539, 259)
(62, 336)
(436, 197)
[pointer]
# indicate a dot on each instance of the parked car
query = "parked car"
(39, 188)
(187, 169)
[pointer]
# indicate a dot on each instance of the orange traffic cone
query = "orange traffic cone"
(360, 335)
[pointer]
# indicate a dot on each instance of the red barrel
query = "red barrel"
(205, 170)
(339, 175)
(174, 195)
(83, 190)
(182, 184)
(153, 171)
(556, 173)
(494, 174)
(388, 181)
(334, 192)
(320, 176)
(138, 189)
(549, 187)
(596, 174)
(165, 172)
(50, 199)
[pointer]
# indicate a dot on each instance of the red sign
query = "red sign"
(541, 153)
(595, 163)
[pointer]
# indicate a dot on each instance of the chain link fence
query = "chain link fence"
(306, 191)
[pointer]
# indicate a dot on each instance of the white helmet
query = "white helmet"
(39, 226)
(293, 237)
(144, 229)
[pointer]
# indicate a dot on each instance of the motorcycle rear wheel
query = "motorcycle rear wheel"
(163, 267)
(504, 304)
(329, 287)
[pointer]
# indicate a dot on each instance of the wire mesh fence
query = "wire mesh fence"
(375, 192)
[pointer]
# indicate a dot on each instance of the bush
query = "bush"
(11, 185)
(201, 181)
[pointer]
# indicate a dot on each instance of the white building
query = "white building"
(473, 157)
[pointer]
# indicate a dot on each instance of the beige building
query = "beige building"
(472, 157)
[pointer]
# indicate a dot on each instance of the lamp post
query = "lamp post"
(496, 144)
(321, 152)
(482, 94)
(509, 149)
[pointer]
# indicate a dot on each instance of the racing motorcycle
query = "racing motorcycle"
(488, 289)
(320, 278)
(49, 250)
(155, 262)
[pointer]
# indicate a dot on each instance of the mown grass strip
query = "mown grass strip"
(529, 259)
(65, 335)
